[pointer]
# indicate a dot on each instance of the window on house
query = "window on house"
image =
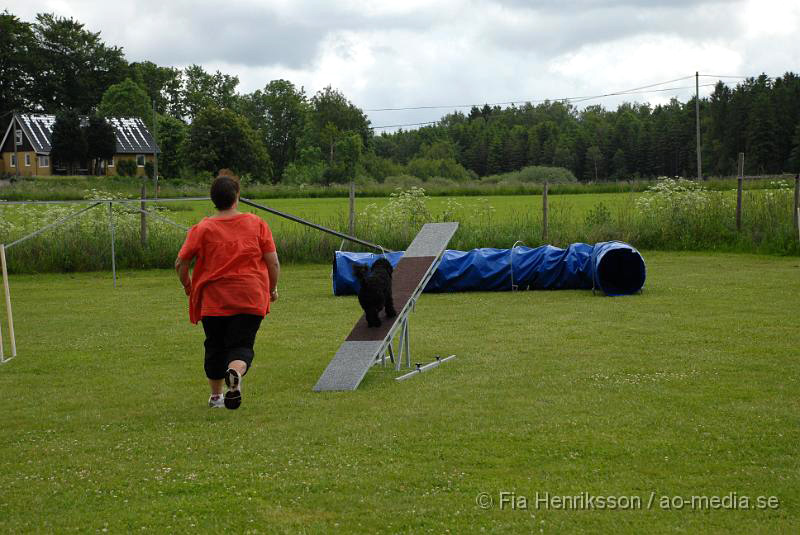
(140, 160)
(13, 160)
(18, 136)
(110, 162)
(27, 160)
(44, 160)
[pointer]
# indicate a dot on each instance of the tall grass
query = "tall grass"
(670, 215)
(73, 188)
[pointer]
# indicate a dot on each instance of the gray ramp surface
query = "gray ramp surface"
(365, 344)
(432, 240)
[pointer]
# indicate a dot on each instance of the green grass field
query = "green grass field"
(690, 388)
(327, 210)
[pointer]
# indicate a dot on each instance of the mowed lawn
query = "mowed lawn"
(689, 389)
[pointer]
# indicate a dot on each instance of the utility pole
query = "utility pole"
(16, 154)
(155, 156)
(697, 121)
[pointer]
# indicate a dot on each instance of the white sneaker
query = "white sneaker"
(216, 402)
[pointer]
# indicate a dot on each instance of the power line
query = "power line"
(569, 99)
(582, 99)
(521, 101)
(723, 76)
(402, 125)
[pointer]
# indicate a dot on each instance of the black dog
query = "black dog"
(376, 290)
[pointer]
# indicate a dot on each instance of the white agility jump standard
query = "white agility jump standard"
(92, 203)
(367, 345)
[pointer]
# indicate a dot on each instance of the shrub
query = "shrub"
(426, 168)
(402, 181)
(310, 173)
(126, 168)
(533, 174)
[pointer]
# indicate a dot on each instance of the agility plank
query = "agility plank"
(364, 345)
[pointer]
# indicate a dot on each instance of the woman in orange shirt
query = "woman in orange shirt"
(235, 278)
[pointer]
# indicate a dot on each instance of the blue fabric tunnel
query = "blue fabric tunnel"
(613, 267)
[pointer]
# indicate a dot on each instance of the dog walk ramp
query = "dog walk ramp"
(365, 345)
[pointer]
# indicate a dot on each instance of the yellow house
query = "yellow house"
(27, 142)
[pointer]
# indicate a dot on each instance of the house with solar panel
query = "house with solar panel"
(27, 142)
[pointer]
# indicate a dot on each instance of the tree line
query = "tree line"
(281, 134)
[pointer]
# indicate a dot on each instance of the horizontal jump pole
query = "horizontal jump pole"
(162, 218)
(51, 225)
(426, 367)
(89, 201)
(313, 225)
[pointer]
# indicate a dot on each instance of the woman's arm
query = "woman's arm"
(182, 267)
(274, 270)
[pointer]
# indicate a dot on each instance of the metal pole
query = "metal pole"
(113, 253)
(51, 225)
(16, 154)
(155, 155)
(101, 201)
(697, 122)
(314, 225)
(408, 343)
(797, 204)
(2, 351)
(421, 369)
(400, 345)
(143, 216)
(739, 192)
(544, 212)
(8, 301)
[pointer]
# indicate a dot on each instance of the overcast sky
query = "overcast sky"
(398, 53)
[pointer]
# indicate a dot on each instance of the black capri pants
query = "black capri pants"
(229, 338)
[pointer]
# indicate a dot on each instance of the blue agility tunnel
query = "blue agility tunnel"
(613, 267)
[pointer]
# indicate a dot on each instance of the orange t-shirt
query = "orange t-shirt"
(230, 276)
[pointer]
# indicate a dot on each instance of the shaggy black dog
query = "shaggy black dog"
(376, 290)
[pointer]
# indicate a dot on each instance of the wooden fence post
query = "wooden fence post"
(544, 212)
(352, 208)
(797, 204)
(739, 192)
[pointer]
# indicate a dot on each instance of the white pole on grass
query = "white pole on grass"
(8, 301)
(2, 353)
(113, 253)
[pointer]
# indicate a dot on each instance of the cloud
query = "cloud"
(416, 52)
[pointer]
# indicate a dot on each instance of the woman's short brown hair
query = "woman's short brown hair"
(224, 190)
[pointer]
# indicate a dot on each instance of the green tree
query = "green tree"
(278, 113)
(330, 106)
(348, 154)
(618, 165)
(761, 147)
(202, 90)
(594, 156)
(68, 143)
(794, 159)
(17, 62)
(172, 135)
(221, 138)
(158, 82)
(101, 141)
(126, 99)
(328, 137)
(516, 148)
(494, 156)
(74, 66)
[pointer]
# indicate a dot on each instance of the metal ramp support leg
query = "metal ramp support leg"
(365, 346)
